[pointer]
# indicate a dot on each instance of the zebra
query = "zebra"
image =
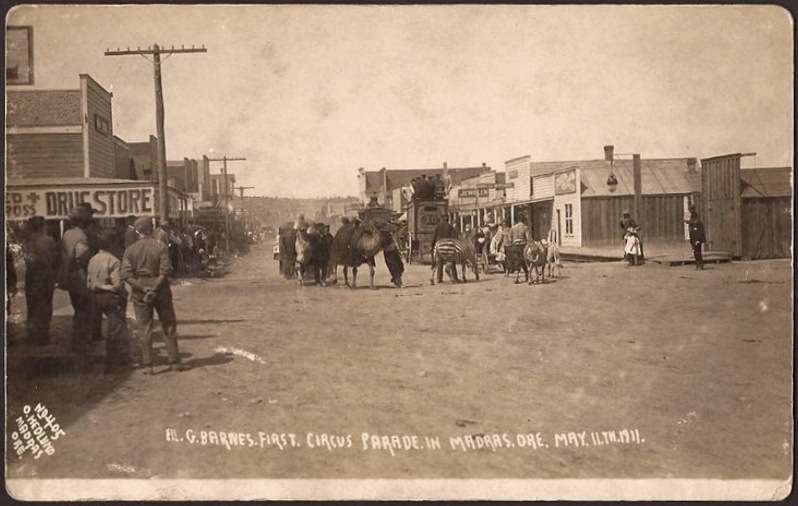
(450, 252)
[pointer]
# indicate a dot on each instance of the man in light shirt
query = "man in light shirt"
(103, 278)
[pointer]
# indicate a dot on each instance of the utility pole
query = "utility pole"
(638, 188)
(243, 206)
(156, 51)
(226, 213)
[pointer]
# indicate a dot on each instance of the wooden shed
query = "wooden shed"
(747, 212)
(766, 213)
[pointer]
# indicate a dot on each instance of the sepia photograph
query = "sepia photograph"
(399, 252)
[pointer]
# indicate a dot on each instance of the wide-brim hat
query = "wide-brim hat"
(82, 211)
(143, 224)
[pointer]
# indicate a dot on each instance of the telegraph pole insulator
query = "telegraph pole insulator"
(159, 116)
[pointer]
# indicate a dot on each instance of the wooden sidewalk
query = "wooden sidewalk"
(660, 255)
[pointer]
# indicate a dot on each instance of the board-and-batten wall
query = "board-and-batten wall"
(766, 228)
(662, 220)
(101, 142)
(45, 155)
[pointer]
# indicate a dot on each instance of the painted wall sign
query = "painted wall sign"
(565, 182)
(55, 203)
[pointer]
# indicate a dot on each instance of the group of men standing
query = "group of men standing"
(424, 187)
(91, 267)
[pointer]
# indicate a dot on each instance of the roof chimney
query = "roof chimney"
(691, 165)
(445, 166)
(609, 153)
(484, 164)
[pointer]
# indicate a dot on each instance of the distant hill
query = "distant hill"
(272, 211)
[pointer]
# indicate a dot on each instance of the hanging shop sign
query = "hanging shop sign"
(473, 192)
(495, 186)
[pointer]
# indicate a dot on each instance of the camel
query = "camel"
(312, 252)
(354, 245)
(304, 253)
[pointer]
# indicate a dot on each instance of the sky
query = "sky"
(308, 94)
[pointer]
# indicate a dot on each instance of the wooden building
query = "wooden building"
(60, 132)
(61, 151)
(479, 200)
(388, 185)
(766, 213)
(747, 212)
(572, 203)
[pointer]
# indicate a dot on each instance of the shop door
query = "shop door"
(541, 219)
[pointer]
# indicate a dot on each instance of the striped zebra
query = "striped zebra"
(450, 252)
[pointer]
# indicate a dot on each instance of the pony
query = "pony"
(535, 259)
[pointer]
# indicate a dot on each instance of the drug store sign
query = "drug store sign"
(54, 203)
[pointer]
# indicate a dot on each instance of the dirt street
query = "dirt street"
(607, 372)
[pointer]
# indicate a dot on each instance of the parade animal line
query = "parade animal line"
(355, 244)
(449, 252)
(537, 257)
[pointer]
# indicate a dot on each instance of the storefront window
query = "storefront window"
(569, 219)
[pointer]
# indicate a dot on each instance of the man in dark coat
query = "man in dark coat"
(695, 228)
(75, 255)
(287, 252)
(42, 261)
(11, 278)
(130, 232)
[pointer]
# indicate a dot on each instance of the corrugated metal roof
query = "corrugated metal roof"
(657, 177)
(766, 182)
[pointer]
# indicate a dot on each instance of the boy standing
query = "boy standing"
(104, 280)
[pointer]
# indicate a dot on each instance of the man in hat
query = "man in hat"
(42, 261)
(146, 268)
(695, 229)
(75, 256)
(517, 238)
(519, 233)
(93, 230)
(130, 232)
